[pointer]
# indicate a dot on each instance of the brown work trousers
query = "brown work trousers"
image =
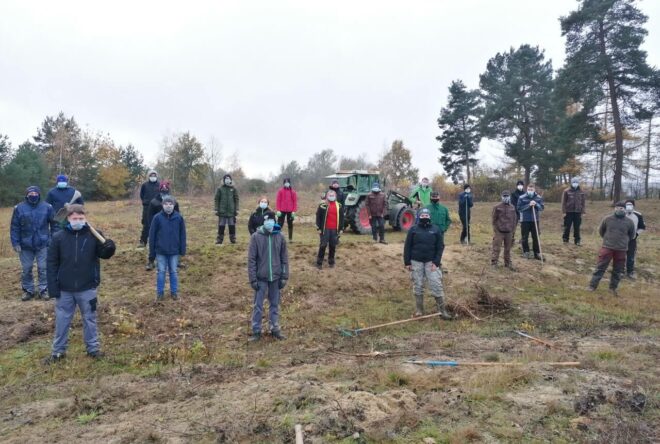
(498, 239)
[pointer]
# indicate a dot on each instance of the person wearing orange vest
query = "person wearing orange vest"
(329, 220)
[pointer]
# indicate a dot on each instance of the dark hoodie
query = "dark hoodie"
(30, 223)
(257, 219)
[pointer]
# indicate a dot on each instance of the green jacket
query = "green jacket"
(226, 201)
(423, 194)
(439, 215)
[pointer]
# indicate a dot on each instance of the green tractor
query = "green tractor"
(356, 185)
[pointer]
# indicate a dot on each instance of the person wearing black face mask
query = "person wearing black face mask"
(421, 256)
(32, 224)
(616, 230)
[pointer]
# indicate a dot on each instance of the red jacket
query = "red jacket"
(287, 200)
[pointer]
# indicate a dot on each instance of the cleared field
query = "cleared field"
(183, 371)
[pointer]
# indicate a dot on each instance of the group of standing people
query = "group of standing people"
(67, 250)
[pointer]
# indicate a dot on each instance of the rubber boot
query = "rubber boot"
(221, 235)
(419, 305)
(232, 234)
(290, 232)
(440, 305)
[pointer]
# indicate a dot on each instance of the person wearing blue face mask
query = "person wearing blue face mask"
(257, 218)
(530, 206)
(32, 223)
(573, 206)
(74, 274)
(63, 194)
(268, 272)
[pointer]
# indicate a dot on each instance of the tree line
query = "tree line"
(593, 116)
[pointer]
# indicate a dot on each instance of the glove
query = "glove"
(278, 214)
(293, 216)
(254, 285)
(282, 283)
(17, 248)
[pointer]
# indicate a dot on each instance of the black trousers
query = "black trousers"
(574, 219)
(329, 238)
(630, 256)
(145, 224)
(377, 227)
(289, 222)
(525, 229)
(465, 233)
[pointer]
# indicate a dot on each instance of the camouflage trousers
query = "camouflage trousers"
(421, 273)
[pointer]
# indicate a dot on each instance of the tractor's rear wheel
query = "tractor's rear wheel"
(361, 218)
(406, 219)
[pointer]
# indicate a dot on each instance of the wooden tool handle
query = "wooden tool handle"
(96, 234)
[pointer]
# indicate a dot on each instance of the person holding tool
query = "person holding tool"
(465, 205)
(74, 274)
(530, 206)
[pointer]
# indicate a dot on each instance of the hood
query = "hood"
(152, 171)
(276, 230)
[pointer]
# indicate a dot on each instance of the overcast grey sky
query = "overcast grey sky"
(272, 80)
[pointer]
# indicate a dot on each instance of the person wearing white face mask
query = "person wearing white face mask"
(638, 220)
(286, 205)
(226, 208)
(573, 206)
(74, 274)
(329, 220)
(465, 205)
(148, 190)
(257, 218)
(167, 243)
(530, 207)
(61, 195)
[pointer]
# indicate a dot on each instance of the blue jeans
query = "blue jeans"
(65, 308)
(165, 262)
(27, 258)
(273, 290)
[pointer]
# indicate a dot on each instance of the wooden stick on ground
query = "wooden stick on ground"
(540, 341)
(489, 364)
(374, 327)
(299, 434)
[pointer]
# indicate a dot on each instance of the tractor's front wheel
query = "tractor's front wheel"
(406, 219)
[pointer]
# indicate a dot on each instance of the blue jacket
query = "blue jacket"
(57, 197)
(30, 225)
(464, 199)
(525, 209)
(167, 235)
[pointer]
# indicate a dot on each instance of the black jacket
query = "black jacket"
(322, 216)
(257, 219)
(73, 260)
(515, 196)
(148, 191)
(423, 244)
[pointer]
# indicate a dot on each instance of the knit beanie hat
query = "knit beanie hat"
(520, 182)
(62, 178)
(33, 189)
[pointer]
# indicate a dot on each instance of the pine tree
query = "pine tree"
(460, 125)
(604, 58)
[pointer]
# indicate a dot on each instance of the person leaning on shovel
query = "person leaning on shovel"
(74, 274)
(421, 256)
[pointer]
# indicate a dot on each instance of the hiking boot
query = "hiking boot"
(526, 255)
(632, 276)
(331, 265)
(375, 240)
(142, 244)
(175, 297)
(590, 288)
(150, 266)
(218, 240)
(565, 241)
(255, 337)
(160, 297)
(538, 257)
(382, 241)
(578, 243)
(510, 267)
(27, 296)
(278, 335)
(417, 314)
(52, 359)
(493, 265)
(43, 295)
(319, 266)
(98, 354)
(614, 292)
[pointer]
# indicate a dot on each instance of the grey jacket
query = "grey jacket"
(617, 232)
(268, 259)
